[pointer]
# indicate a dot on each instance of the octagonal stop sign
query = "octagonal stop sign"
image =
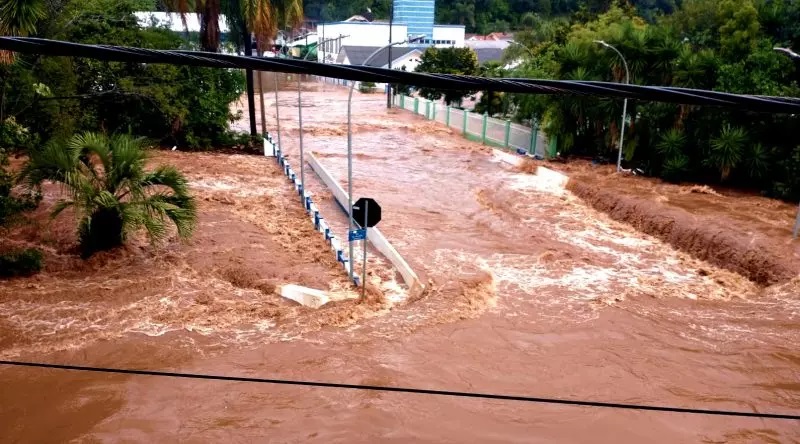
(366, 212)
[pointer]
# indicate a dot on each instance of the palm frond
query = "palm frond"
(127, 162)
(259, 18)
(86, 145)
(19, 18)
(168, 176)
(671, 143)
(51, 163)
(727, 149)
(59, 207)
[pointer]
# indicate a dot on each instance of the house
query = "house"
(358, 33)
(488, 50)
(402, 57)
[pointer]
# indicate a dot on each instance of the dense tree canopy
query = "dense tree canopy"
(56, 97)
(485, 16)
(461, 61)
(721, 45)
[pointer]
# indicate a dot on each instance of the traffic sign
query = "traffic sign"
(358, 235)
(366, 212)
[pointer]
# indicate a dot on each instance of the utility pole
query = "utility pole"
(389, 85)
(794, 56)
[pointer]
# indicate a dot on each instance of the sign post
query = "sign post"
(366, 213)
(364, 256)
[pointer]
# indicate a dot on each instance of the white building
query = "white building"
(376, 34)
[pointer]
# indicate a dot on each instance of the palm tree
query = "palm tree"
(261, 18)
(19, 18)
(727, 149)
(106, 182)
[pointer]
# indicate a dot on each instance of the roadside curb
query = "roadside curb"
(374, 235)
(271, 149)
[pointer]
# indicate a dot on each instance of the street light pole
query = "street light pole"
(788, 52)
(350, 150)
(300, 122)
(523, 47)
(389, 85)
(795, 56)
(624, 104)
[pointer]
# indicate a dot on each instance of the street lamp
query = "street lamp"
(793, 55)
(350, 147)
(523, 47)
(625, 103)
(788, 52)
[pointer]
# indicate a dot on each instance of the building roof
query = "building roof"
(489, 54)
(357, 55)
(476, 44)
(495, 36)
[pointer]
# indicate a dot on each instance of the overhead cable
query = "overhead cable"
(687, 96)
(418, 391)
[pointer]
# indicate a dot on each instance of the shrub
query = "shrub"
(21, 263)
(183, 105)
(366, 87)
(112, 193)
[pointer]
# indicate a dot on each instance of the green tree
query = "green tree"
(261, 17)
(19, 18)
(106, 182)
(740, 27)
(178, 105)
(727, 149)
(452, 60)
(491, 102)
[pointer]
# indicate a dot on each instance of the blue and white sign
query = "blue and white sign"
(358, 234)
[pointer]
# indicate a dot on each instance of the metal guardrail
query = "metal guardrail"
(479, 127)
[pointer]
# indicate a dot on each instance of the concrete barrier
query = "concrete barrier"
(271, 149)
(308, 297)
(552, 177)
(374, 235)
(511, 159)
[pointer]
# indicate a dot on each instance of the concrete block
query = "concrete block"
(552, 177)
(507, 157)
(305, 296)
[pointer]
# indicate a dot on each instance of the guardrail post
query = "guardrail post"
(447, 119)
(416, 105)
(483, 131)
(465, 121)
(508, 132)
(534, 136)
(553, 147)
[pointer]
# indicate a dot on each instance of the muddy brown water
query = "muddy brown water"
(530, 292)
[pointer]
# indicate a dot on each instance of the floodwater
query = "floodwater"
(530, 292)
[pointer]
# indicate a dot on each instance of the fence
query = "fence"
(480, 127)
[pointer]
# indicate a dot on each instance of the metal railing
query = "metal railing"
(480, 127)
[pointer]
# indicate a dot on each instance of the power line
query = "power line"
(766, 104)
(419, 391)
